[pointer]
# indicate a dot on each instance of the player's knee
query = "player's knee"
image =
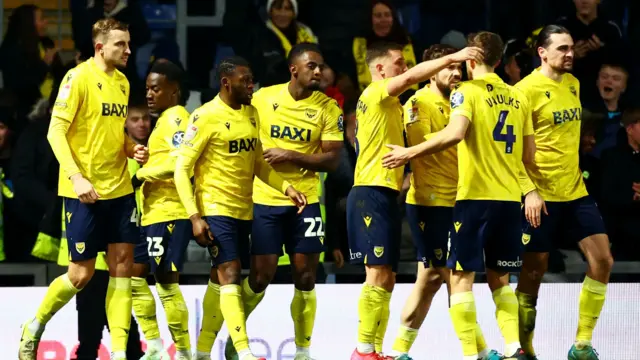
(433, 284)
(173, 277)
(80, 275)
(534, 266)
(140, 270)
(604, 262)
(261, 279)
(305, 280)
(381, 276)
(230, 273)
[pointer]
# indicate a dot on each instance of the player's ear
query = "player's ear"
(293, 70)
(380, 69)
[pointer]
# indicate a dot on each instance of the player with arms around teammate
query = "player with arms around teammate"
(373, 221)
(491, 123)
(556, 199)
(301, 132)
(430, 199)
(88, 139)
(166, 229)
(221, 146)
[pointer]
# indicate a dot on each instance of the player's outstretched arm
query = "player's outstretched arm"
(441, 140)
(425, 70)
(326, 161)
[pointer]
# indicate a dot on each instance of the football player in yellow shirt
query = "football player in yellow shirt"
(221, 146)
(491, 123)
(166, 229)
(301, 132)
(373, 221)
(557, 202)
(87, 136)
(430, 200)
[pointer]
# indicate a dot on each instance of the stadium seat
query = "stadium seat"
(159, 16)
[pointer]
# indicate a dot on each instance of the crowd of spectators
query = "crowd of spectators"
(264, 31)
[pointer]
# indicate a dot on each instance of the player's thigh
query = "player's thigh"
(82, 228)
(306, 235)
(374, 226)
(468, 235)
(583, 219)
(121, 220)
(166, 243)
(542, 238)
(504, 246)
(227, 235)
(267, 236)
(430, 226)
(142, 247)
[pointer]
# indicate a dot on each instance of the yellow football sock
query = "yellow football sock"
(118, 306)
(212, 318)
(250, 298)
(405, 339)
(527, 320)
(303, 313)
(383, 322)
(507, 317)
(177, 314)
(591, 301)
(144, 307)
(463, 316)
(481, 343)
(59, 293)
(233, 313)
(370, 308)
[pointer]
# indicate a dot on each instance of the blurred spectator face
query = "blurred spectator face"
(382, 20)
(138, 124)
(109, 5)
(328, 78)
(512, 70)
(448, 77)
(586, 7)
(633, 131)
(307, 70)
(612, 82)
(161, 94)
(559, 54)
(115, 48)
(281, 13)
(4, 135)
(392, 65)
(587, 141)
(40, 22)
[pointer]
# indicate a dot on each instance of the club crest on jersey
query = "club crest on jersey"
(311, 113)
(573, 90)
(456, 99)
(378, 251)
(341, 122)
(177, 138)
(525, 238)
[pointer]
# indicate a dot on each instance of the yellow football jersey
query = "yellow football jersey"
(160, 197)
(221, 146)
(378, 123)
(434, 178)
(294, 125)
(90, 112)
(490, 156)
(557, 116)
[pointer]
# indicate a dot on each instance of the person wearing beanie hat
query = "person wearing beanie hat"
(282, 21)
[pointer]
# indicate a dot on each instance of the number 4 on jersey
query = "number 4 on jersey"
(509, 138)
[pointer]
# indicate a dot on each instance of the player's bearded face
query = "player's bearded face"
(448, 77)
(115, 48)
(242, 86)
(559, 54)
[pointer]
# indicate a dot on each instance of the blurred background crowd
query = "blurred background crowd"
(43, 39)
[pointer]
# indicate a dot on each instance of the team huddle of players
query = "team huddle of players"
(281, 136)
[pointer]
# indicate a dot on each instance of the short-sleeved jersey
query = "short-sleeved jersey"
(95, 104)
(225, 143)
(378, 123)
(490, 156)
(300, 126)
(434, 178)
(160, 198)
(557, 116)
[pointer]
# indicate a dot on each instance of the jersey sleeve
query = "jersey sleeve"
(417, 121)
(178, 128)
(461, 102)
(527, 126)
(70, 96)
(195, 141)
(333, 123)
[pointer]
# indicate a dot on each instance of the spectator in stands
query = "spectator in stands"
(138, 124)
(328, 85)
(384, 26)
(596, 40)
(621, 188)
(516, 63)
(28, 59)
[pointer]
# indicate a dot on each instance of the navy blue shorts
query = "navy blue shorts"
(572, 220)
(230, 237)
(486, 232)
(278, 226)
(430, 226)
(163, 245)
(91, 227)
(374, 226)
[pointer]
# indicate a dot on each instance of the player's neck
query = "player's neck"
(482, 70)
(102, 65)
(436, 90)
(587, 18)
(226, 98)
(549, 72)
(297, 92)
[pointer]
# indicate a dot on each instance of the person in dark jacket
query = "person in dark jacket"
(621, 189)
